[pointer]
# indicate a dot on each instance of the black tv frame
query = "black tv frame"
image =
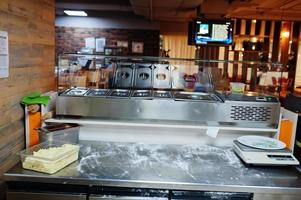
(192, 26)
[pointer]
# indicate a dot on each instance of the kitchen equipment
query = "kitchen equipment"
(189, 81)
(204, 195)
(67, 132)
(255, 156)
(237, 87)
(162, 79)
(110, 193)
(232, 110)
(28, 195)
(124, 75)
(143, 76)
(97, 93)
(113, 197)
(184, 77)
(145, 94)
(297, 146)
(162, 94)
(251, 93)
(196, 96)
(261, 142)
(293, 102)
(201, 108)
(49, 157)
(120, 93)
(75, 92)
(249, 98)
(177, 82)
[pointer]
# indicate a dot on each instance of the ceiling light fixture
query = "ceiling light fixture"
(285, 34)
(76, 13)
(254, 39)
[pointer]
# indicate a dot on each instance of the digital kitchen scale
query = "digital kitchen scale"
(256, 156)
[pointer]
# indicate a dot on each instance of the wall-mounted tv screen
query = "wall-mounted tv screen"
(211, 32)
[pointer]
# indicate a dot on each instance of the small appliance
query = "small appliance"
(264, 157)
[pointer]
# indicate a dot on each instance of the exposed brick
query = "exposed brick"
(71, 39)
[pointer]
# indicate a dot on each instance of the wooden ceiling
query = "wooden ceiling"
(184, 10)
(267, 9)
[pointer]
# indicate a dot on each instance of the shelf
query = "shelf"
(251, 36)
(154, 125)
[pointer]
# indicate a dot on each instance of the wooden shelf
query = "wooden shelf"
(248, 51)
(250, 36)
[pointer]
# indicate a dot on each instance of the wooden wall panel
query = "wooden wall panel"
(235, 67)
(294, 49)
(273, 43)
(248, 27)
(284, 44)
(295, 37)
(208, 53)
(226, 57)
(30, 25)
(258, 27)
(276, 41)
(237, 27)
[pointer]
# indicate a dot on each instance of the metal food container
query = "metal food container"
(120, 93)
(124, 75)
(75, 92)
(196, 96)
(162, 78)
(66, 132)
(97, 93)
(143, 76)
(142, 94)
(49, 157)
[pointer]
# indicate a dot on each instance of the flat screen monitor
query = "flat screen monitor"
(208, 32)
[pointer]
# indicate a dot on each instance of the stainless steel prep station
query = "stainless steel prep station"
(157, 134)
(165, 167)
(164, 96)
(189, 107)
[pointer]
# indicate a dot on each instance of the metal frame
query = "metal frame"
(200, 112)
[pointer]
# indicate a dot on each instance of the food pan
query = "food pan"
(49, 157)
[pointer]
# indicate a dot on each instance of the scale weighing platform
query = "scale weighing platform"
(256, 156)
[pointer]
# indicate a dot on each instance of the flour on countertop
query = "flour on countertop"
(161, 162)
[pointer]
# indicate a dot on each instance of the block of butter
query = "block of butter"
(49, 157)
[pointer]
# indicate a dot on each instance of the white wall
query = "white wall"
(106, 22)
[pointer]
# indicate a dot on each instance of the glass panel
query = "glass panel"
(95, 75)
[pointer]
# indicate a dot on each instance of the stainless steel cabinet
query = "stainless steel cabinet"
(108, 197)
(43, 196)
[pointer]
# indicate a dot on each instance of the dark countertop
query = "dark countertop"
(178, 167)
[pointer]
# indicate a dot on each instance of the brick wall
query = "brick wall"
(71, 39)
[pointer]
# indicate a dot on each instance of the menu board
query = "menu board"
(220, 31)
(213, 32)
(100, 44)
(4, 61)
(137, 47)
